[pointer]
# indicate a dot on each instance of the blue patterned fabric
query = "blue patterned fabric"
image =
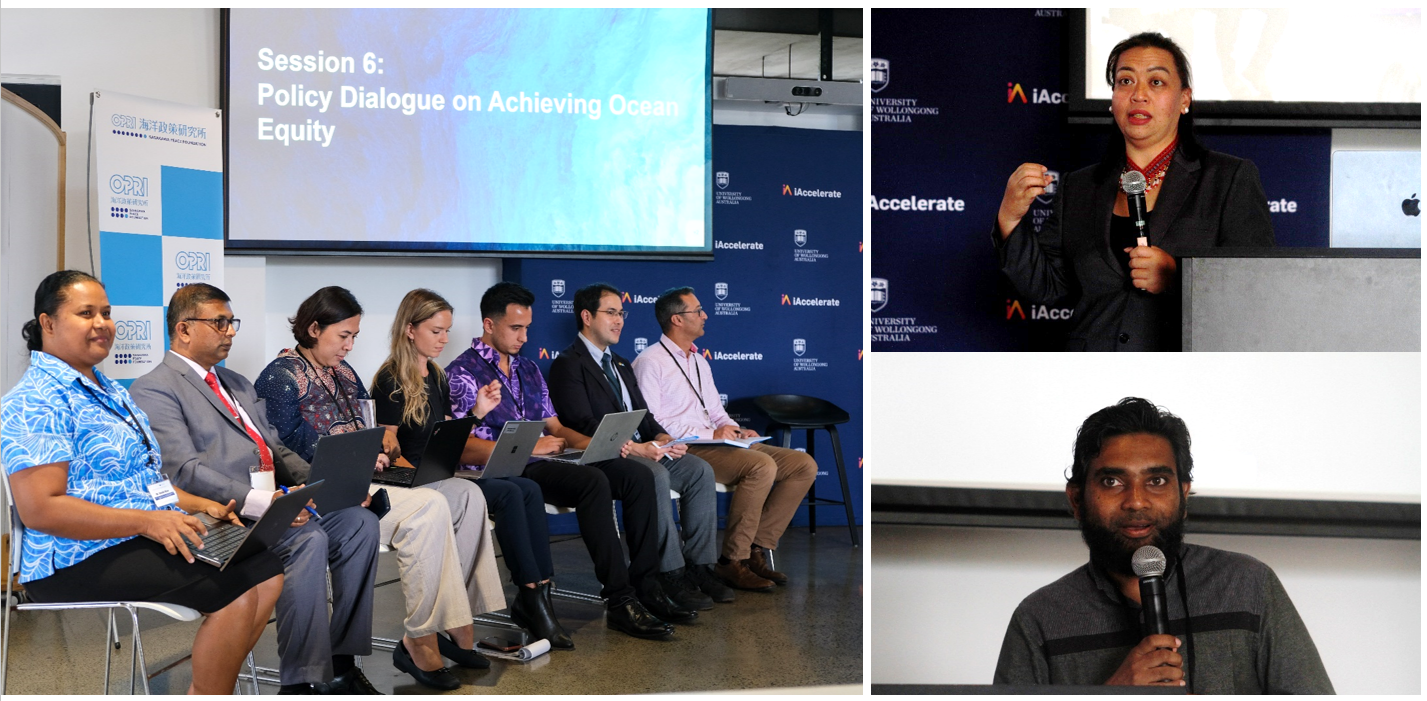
(54, 415)
(307, 403)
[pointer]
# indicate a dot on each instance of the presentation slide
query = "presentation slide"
(1324, 426)
(1328, 53)
(512, 131)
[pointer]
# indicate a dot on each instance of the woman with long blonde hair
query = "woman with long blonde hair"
(412, 394)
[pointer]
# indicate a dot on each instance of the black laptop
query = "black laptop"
(439, 461)
(227, 543)
(344, 461)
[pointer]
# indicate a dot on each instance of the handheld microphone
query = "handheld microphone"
(1134, 185)
(1149, 565)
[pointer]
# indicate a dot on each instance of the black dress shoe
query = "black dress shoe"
(441, 678)
(297, 689)
(353, 683)
(461, 656)
(532, 611)
(631, 618)
(683, 593)
(702, 577)
(657, 601)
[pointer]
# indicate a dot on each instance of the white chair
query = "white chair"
(138, 668)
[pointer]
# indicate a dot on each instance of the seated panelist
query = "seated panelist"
(439, 531)
(1089, 252)
(84, 470)
(412, 395)
(636, 604)
(587, 381)
(772, 481)
(217, 443)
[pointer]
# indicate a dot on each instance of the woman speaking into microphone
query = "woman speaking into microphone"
(1096, 250)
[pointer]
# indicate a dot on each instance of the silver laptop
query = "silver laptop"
(512, 450)
(615, 429)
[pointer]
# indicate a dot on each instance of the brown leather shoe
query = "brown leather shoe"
(758, 564)
(737, 575)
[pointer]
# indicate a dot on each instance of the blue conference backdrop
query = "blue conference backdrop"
(955, 109)
(782, 292)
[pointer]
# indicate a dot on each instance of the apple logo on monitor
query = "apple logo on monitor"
(1409, 206)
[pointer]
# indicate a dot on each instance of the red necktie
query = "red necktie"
(263, 452)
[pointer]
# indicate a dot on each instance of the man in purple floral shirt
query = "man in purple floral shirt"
(637, 604)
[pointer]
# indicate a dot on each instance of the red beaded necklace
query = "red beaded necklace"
(1154, 172)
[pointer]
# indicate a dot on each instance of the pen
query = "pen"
(310, 510)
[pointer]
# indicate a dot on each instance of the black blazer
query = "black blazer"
(1215, 200)
(582, 395)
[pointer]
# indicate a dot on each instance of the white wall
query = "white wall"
(942, 596)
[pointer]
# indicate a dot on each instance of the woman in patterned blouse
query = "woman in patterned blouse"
(310, 392)
(83, 466)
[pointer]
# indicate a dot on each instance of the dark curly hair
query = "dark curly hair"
(1130, 415)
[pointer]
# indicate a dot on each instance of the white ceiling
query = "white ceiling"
(766, 55)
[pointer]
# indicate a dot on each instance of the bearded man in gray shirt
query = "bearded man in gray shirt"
(1233, 629)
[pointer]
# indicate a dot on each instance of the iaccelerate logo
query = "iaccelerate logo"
(548, 354)
(800, 192)
(802, 363)
(725, 196)
(786, 300)
(560, 306)
(918, 204)
(1039, 96)
(638, 299)
(1038, 311)
(739, 245)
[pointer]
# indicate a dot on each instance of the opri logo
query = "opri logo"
(198, 261)
(131, 185)
(557, 288)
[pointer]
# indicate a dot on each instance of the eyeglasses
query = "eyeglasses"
(222, 323)
(700, 310)
(621, 313)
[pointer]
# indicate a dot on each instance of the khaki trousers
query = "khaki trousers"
(771, 483)
(444, 555)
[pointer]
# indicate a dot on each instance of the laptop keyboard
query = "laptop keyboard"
(399, 476)
(568, 456)
(221, 542)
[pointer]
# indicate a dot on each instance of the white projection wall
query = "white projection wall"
(1332, 426)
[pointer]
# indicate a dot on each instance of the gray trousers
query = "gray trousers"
(693, 479)
(344, 542)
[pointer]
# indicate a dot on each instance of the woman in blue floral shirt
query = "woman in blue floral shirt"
(83, 467)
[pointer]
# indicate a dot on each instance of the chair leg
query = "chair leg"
(813, 489)
(253, 673)
(842, 478)
(110, 637)
(5, 635)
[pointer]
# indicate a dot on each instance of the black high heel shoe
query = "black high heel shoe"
(532, 611)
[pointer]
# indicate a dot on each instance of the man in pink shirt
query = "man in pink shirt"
(679, 388)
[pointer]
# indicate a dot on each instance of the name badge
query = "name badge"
(163, 494)
(264, 480)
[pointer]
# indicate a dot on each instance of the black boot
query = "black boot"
(532, 611)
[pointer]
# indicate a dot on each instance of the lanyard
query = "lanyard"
(347, 403)
(699, 393)
(131, 421)
(515, 396)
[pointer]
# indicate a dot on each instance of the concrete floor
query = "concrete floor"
(808, 633)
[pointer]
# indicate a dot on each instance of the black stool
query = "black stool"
(790, 412)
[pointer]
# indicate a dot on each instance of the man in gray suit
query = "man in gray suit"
(217, 442)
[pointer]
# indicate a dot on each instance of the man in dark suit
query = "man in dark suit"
(217, 442)
(587, 381)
